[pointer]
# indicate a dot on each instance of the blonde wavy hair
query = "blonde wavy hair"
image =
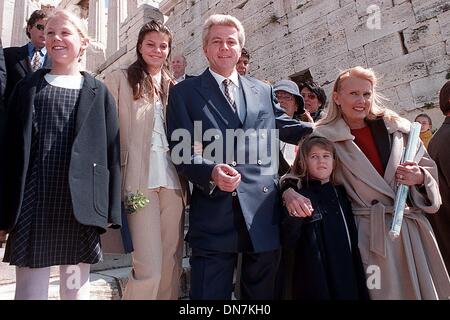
(377, 107)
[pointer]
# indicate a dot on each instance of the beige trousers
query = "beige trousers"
(157, 235)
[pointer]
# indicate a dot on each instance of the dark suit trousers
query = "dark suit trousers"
(212, 275)
(212, 271)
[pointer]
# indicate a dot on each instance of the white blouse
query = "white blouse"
(162, 172)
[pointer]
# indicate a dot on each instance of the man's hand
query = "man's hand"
(296, 204)
(225, 177)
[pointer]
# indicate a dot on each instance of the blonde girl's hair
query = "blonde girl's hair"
(223, 20)
(76, 21)
(377, 109)
(299, 167)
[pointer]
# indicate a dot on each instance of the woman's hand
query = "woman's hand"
(410, 174)
(296, 204)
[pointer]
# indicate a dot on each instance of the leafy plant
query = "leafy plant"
(135, 201)
(428, 105)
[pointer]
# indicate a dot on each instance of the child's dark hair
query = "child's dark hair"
(299, 166)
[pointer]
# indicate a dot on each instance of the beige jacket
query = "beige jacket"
(411, 266)
(136, 126)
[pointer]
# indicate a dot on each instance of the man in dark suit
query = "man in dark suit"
(438, 150)
(21, 61)
(227, 124)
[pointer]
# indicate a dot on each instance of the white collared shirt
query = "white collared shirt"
(234, 89)
(181, 78)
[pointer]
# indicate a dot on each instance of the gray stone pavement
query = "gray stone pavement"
(108, 278)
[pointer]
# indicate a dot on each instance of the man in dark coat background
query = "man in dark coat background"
(438, 150)
(21, 61)
(2, 109)
(2, 75)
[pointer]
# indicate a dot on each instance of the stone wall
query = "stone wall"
(406, 42)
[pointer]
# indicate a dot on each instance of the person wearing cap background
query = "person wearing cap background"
(288, 95)
(315, 99)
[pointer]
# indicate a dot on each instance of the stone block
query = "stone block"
(315, 31)
(320, 51)
(310, 10)
(426, 89)
(426, 9)
(384, 49)
(343, 3)
(392, 20)
(447, 46)
(444, 24)
(328, 70)
(363, 5)
(263, 36)
(401, 70)
(390, 98)
(436, 58)
(422, 35)
(405, 98)
(341, 17)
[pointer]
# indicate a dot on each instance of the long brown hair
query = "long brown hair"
(142, 84)
(299, 166)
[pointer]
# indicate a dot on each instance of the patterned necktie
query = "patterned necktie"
(226, 86)
(36, 60)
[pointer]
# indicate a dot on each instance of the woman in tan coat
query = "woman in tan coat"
(156, 230)
(369, 142)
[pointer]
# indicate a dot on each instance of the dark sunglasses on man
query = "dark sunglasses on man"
(39, 27)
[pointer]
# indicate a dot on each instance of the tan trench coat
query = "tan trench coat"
(411, 266)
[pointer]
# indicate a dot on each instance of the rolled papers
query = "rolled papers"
(402, 191)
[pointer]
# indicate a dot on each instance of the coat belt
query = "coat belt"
(376, 213)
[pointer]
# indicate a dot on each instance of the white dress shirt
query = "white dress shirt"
(234, 89)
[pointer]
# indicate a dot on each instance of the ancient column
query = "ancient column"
(18, 36)
(97, 32)
(131, 8)
(116, 15)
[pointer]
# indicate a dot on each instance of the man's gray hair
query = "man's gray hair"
(223, 20)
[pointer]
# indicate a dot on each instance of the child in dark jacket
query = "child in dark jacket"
(327, 262)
